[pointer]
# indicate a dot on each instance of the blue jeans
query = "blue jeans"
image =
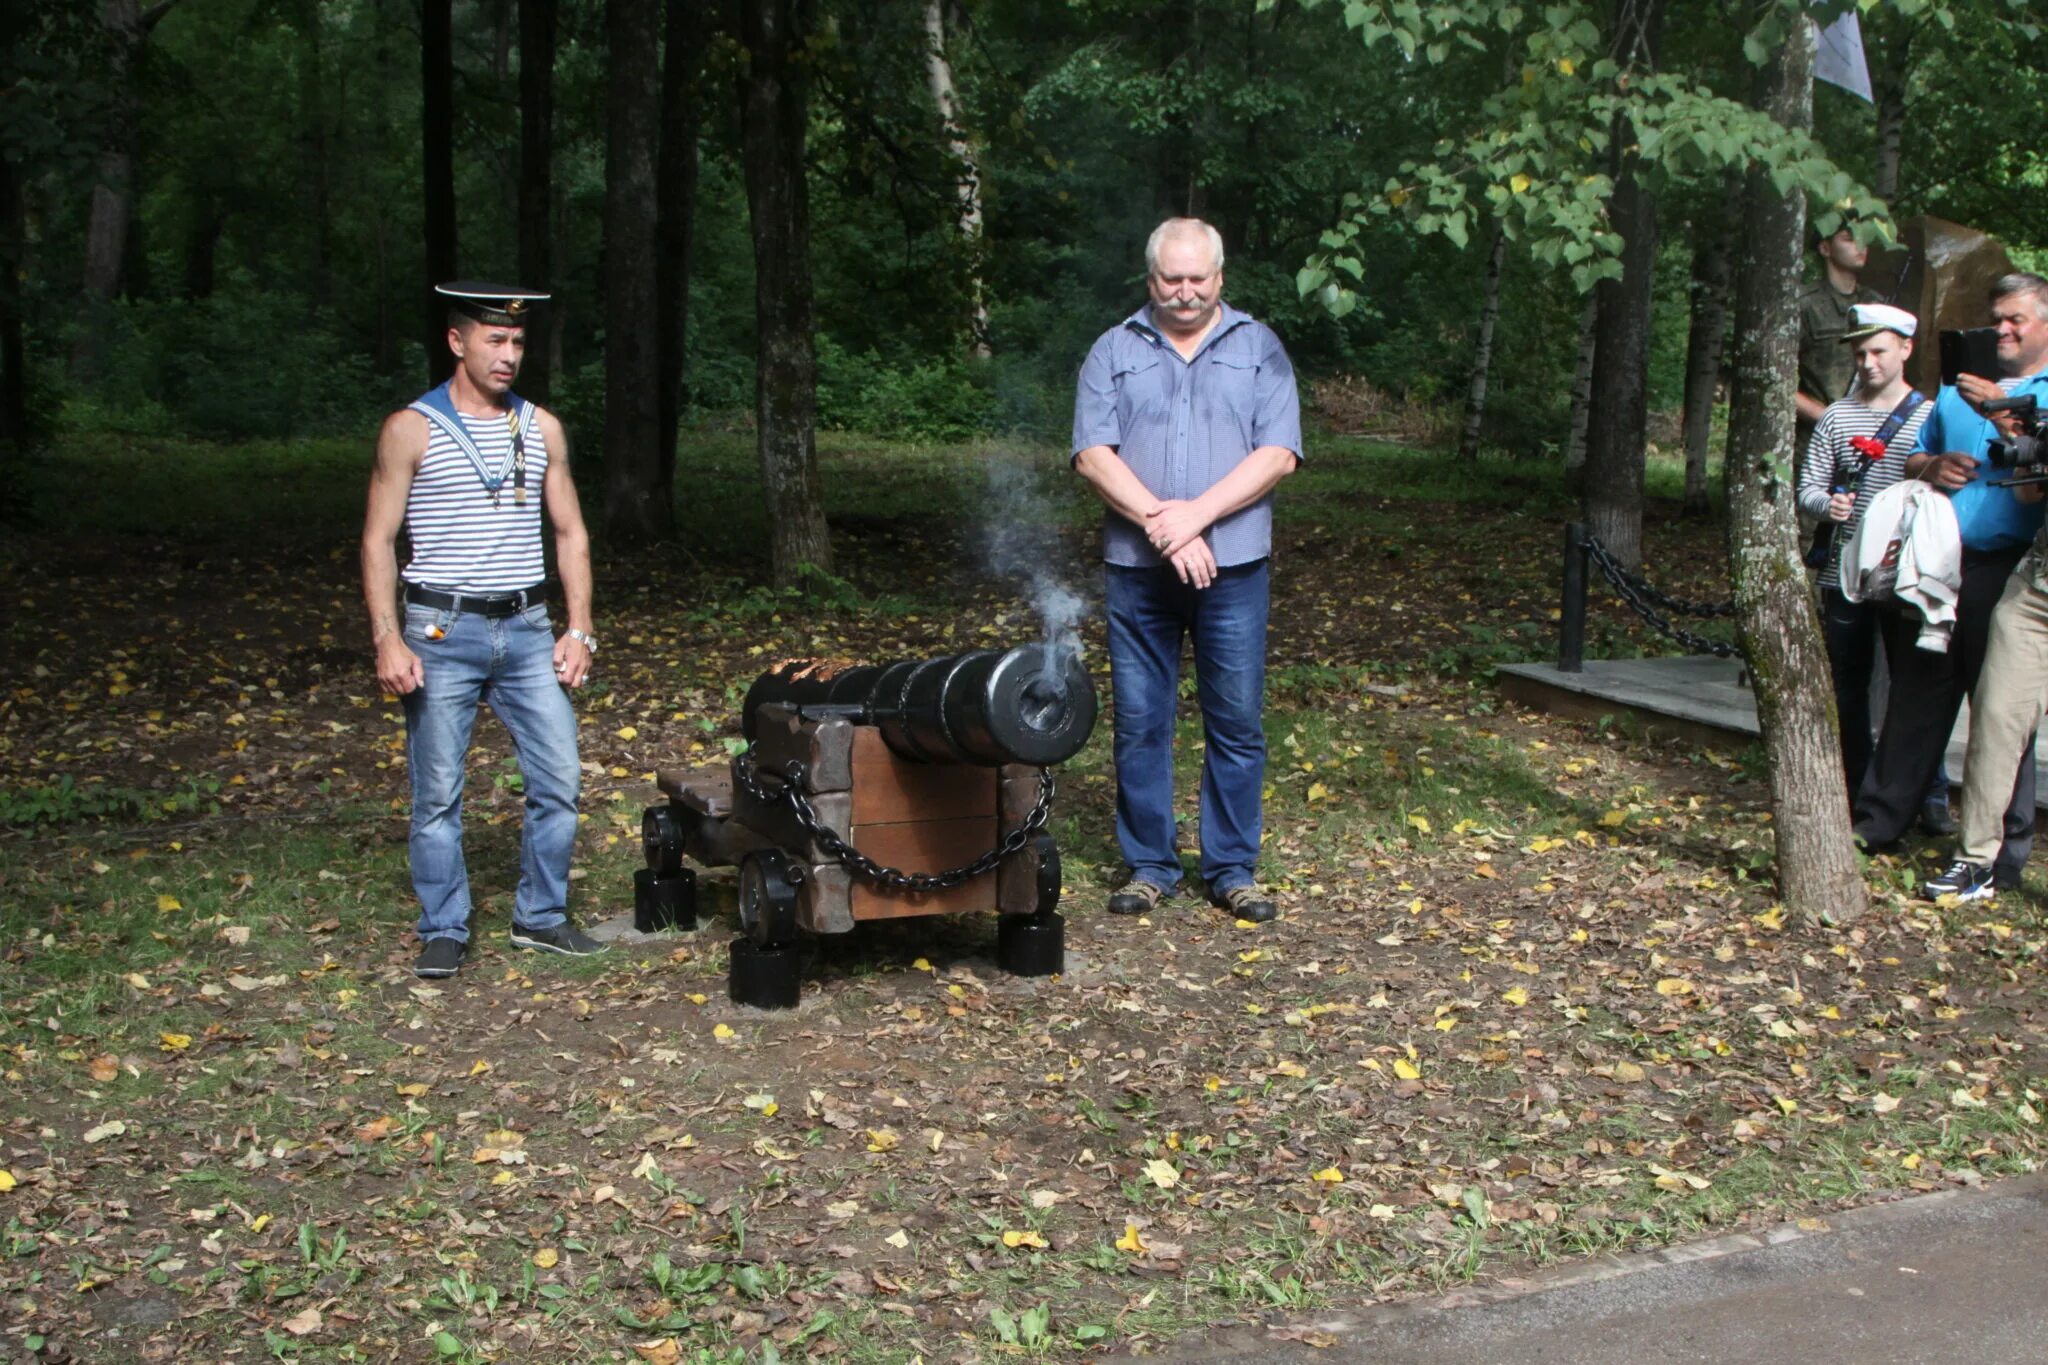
(508, 662)
(1150, 612)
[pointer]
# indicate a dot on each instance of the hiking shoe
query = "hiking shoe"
(439, 957)
(1936, 819)
(1966, 881)
(1246, 902)
(1136, 897)
(565, 938)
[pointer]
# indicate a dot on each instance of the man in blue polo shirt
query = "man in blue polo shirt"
(1185, 418)
(1996, 526)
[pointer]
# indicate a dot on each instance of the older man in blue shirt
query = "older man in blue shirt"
(1185, 418)
(1996, 525)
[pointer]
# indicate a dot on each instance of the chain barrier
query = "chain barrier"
(790, 792)
(1645, 600)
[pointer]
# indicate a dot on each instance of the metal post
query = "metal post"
(1571, 617)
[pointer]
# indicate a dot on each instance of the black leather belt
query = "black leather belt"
(493, 605)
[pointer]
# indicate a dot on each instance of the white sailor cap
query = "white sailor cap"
(1868, 319)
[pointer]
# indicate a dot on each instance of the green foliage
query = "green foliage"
(65, 802)
(946, 399)
(244, 362)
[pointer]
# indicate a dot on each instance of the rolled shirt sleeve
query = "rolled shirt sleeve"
(1276, 401)
(1096, 421)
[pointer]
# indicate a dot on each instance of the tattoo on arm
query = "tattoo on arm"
(386, 624)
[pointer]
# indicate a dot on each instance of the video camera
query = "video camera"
(2027, 448)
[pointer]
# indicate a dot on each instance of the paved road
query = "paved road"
(1953, 1277)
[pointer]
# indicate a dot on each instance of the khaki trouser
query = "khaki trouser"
(2004, 710)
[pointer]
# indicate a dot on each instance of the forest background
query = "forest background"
(215, 210)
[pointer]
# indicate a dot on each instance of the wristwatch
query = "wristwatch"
(584, 638)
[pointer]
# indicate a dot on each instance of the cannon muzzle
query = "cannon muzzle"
(1033, 704)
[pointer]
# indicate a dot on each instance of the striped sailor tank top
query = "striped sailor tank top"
(463, 541)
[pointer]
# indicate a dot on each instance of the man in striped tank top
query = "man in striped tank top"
(469, 471)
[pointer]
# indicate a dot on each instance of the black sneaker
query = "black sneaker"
(1966, 881)
(1246, 903)
(565, 938)
(1136, 897)
(1936, 819)
(439, 957)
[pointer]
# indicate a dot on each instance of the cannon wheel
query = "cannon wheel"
(1032, 945)
(767, 898)
(763, 978)
(661, 840)
(664, 900)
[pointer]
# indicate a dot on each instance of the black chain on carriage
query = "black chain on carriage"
(789, 791)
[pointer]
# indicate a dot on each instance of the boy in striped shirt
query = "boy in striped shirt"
(1845, 469)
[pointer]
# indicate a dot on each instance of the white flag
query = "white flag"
(1840, 59)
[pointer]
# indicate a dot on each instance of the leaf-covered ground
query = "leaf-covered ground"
(1530, 997)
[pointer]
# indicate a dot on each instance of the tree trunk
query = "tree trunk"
(938, 70)
(313, 124)
(682, 68)
(1817, 872)
(1891, 128)
(778, 209)
(13, 351)
(1621, 361)
(1482, 358)
(536, 185)
(637, 501)
(437, 168)
(110, 216)
(1713, 270)
(1582, 392)
(202, 241)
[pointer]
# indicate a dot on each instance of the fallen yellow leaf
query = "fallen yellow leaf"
(1329, 1175)
(166, 904)
(1131, 1241)
(1026, 1238)
(174, 1042)
(721, 1032)
(413, 1088)
(628, 732)
(1515, 995)
(546, 1258)
(1420, 822)
(1163, 1173)
(1674, 986)
(883, 1139)
(480, 1068)
(1406, 1069)
(7, 1180)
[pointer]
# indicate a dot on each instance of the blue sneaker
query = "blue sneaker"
(1966, 881)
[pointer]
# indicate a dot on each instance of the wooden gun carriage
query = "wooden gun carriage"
(878, 792)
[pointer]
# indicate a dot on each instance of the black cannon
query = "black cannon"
(880, 791)
(1032, 704)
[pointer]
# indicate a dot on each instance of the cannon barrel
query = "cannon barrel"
(1032, 704)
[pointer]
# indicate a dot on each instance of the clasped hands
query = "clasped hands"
(1175, 528)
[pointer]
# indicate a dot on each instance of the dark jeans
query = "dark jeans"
(1927, 691)
(1151, 613)
(1851, 632)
